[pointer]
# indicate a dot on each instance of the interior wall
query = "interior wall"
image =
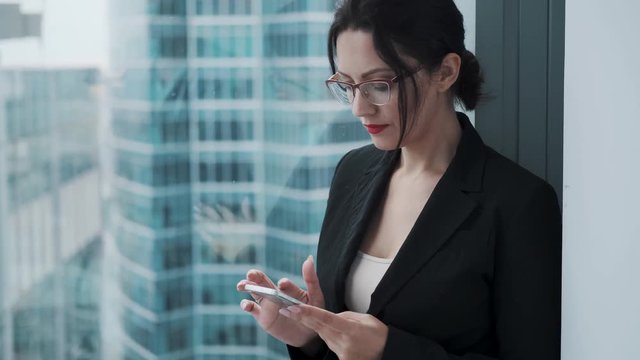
(601, 263)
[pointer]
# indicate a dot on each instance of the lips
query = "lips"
(375, 129)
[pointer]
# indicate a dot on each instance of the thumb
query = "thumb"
(310, 278)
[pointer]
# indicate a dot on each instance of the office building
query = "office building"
(50, 218)
(224, 143)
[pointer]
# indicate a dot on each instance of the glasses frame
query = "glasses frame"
(356, 86)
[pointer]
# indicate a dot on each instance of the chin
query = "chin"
(385, 144)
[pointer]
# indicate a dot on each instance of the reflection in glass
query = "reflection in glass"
(218, 144)
(225, 142)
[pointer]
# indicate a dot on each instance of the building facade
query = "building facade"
(50, 219)
(305, 134)
(224, 142)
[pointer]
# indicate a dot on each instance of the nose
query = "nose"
(361, 106)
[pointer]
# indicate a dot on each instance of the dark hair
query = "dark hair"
(426, 30)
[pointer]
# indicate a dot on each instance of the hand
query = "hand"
(350, 335)
(266, 312)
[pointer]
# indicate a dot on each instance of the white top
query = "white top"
(364, 276)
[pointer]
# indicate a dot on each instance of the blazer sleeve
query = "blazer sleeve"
(527, 289)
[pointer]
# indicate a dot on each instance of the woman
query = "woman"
(433, 245)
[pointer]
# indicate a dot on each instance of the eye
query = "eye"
(343, 86)
(379, 86)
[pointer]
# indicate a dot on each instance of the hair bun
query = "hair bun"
(468, 87)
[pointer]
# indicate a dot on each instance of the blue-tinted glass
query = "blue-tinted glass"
(205, 148)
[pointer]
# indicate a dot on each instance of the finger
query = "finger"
(320, 321)
(290, 288)
(317, 319)
(310, 277)
(241, 287)
(251, 307)
(354, 316)
(325, 332)
(260, 278)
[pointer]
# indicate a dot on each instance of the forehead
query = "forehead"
(356, 54)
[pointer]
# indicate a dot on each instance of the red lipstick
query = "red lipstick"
(375, 129)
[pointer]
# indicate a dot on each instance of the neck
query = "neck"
(432, 153)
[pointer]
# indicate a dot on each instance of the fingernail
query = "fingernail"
(294, 309)
(310, 257)
(284, 312)
(244, 305)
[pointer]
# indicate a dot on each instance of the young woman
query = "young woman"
(433, 245)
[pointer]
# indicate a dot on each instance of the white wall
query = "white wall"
(601, 276)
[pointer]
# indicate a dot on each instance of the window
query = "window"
(304, 173)
(225, 41)
(155, 127)
(286, 256)
(214, 289)
(299, 216)
(293, 6)
(226, 167)
(295, 84)
(155, 212)
(166, 7)
(228, 330)
(300, 39)
(159, 170)
(178, 335)
(217, 246)
(159, 156)
(139, 330)
(168, 41)
(175, 253)
(226, 125)
(229, 207)
(234, 83)
(223, 7)
(175, 293)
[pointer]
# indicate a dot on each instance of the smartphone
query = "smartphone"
(274, 295)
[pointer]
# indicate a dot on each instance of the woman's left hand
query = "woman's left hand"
(349, 334)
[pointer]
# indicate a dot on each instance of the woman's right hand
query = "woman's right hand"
(266, 312)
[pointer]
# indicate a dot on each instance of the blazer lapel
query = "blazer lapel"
(447, 208)
(366, 199)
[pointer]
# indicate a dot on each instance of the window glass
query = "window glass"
(152, 152)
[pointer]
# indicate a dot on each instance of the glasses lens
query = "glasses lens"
(342, 92)
(377, 92)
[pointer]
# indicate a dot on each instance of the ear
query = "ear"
(448, 72)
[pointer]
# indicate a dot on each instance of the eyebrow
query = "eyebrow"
(368, 73)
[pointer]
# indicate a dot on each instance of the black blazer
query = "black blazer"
(478, 276)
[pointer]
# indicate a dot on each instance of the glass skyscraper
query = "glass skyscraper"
(305, 133)
(50, 218)
(224, 141)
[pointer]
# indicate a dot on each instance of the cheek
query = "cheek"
(391, 112)
(392, 115)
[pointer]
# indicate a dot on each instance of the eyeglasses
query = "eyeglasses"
(376, 91)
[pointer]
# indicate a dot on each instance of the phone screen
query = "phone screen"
(273, 295)
(280, 299)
